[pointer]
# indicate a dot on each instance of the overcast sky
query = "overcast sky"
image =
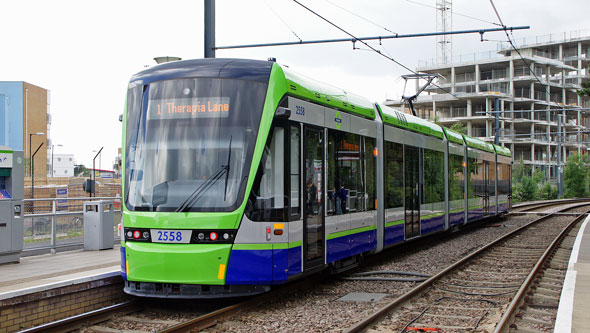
(84, 52)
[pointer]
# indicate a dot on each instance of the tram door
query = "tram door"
(486, 188)
(313, 217)
(412, 191)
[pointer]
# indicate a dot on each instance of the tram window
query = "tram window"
(268, 201)
(345, 174)
(456, 178)
(475, 183)
(370, 154)
(434, 186)
(295, 180)
(394, 170)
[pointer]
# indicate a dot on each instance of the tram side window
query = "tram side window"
(295, 179)
(503, 181)
(345, 173)
(434, 185)
(394, 170)
(475, 182)
(370, 154)
(456, 177)
(268, 201)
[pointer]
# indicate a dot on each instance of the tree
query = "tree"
(585, 91)
(525, 182)
(548, 192)
(458, 127)
(575, 177)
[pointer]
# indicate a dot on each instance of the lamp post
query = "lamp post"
(30, 152)
(94, 171)
(33, 176)
(52, 151)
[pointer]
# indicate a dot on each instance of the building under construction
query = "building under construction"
(530, 92)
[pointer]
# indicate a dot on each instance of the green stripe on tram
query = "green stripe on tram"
(271, 246)
(350, 232)
(392, 223)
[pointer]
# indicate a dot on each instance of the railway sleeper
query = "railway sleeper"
(539, 311)
(534, 321)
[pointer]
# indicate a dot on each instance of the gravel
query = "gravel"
(317, 309)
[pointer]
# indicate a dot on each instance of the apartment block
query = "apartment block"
(24, 122)
(519, 98)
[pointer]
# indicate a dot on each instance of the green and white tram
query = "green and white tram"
(242, 174)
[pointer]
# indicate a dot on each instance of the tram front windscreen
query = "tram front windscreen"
(189, 143)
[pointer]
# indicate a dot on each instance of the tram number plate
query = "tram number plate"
(171, 236)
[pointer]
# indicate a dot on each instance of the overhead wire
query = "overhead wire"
(282, 20)
(455, 13)
(356, 39)
(357, 15)
(548, 89)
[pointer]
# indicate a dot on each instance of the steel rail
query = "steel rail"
(207, 320)
(516, 301)
(363, 324)
(70, 323)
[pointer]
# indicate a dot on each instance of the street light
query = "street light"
(52, 151)
(94, 171)
(33, 176)
(30, 152)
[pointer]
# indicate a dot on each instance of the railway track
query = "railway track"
(143, 316)
(474, 293)
(534, 309)
(535, 206)
(273, 307)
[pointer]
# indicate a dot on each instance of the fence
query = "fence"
(56, 224)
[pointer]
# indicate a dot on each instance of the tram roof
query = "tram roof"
(453, 136)
(503, 151)
(479, 144)
(244, 69)
(406, 121)
(306, 88)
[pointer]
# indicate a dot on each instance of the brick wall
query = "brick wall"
(30, 310)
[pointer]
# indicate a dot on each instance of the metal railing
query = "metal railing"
(59, 223)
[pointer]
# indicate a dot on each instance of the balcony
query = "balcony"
(478, 132)
(522, 93)
(496, 74)
(464, 77)
(447, 113)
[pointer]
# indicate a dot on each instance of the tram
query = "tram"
(243, 174)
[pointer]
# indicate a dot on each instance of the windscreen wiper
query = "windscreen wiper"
(227, 169)
(198, 192)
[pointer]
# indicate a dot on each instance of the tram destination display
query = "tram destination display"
(196, 107)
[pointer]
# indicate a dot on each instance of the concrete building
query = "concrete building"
(529, 95)
(63, 165)
(23, 117)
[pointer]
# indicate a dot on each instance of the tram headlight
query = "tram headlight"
(201, 236)
(226, 236)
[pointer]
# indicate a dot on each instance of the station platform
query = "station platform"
(574, 304)
(41, 288)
